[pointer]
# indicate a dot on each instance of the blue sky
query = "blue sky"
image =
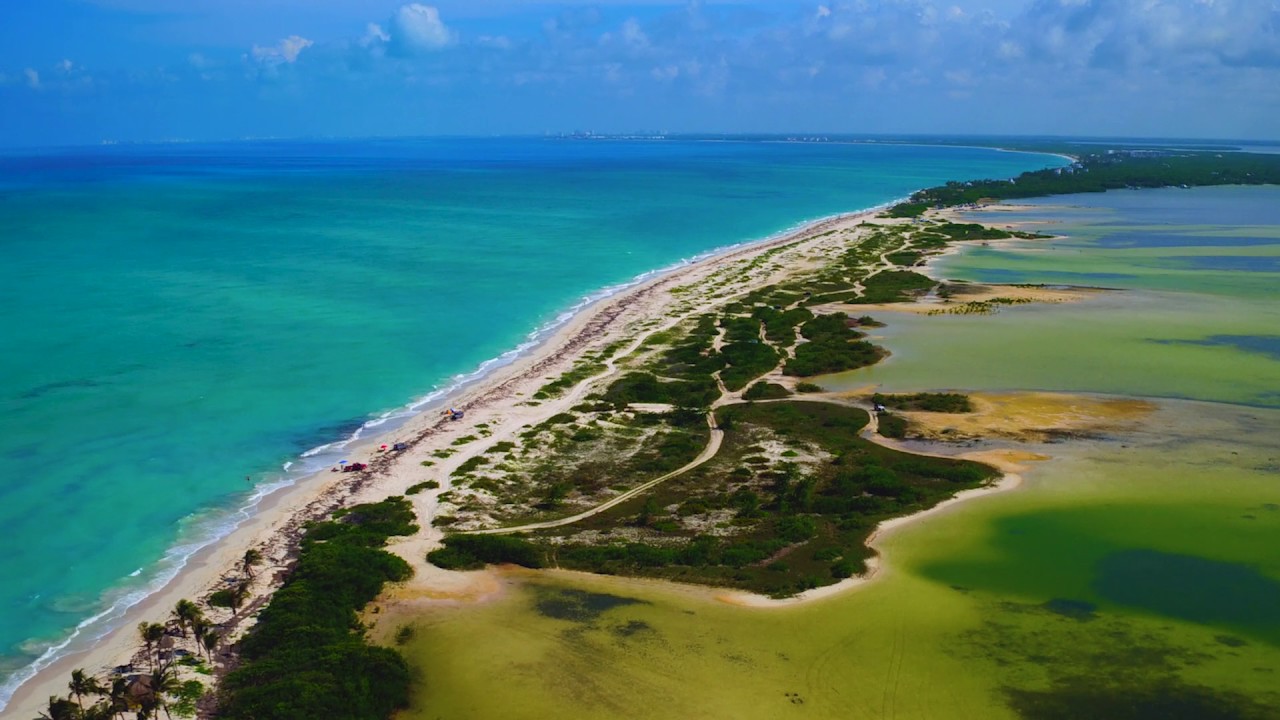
(83, 71)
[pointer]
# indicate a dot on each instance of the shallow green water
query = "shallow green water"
(1181, 327)
(1131, 577)
(1013, 601)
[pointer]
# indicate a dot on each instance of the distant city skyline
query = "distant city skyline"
(88, 71)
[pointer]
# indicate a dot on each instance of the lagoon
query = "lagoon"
(1132, 570)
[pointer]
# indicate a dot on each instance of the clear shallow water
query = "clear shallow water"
(180, 317)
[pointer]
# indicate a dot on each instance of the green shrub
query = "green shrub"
(470, 464)
(427, 485)
(845, 568)
(470, 552)
(832, 347)
(928, 402)
(765, 391)
(892, 426)
(302, 659)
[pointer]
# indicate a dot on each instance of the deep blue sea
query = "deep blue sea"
(177, 317)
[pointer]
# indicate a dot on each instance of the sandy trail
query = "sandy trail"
(708, 452)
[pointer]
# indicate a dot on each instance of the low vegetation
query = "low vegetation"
(765, 391)
(926, 402)
(1106, 169)
(787, 505)
(307, 656)
(833, 347)
(427, 485)
(892, 426)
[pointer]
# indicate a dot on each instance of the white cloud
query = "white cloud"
(1009, 50)
(374, 35)
(666, 73)
(33, 78)
(498, 42)
(1172, 33)
(633, 35)
(284, 52)
(417, 28)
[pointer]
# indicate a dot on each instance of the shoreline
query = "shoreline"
(274, 523)
(876, 568)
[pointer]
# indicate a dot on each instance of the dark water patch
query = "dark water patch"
(632, 628)
(578, 605)
(1230, 640)
(1053, 667)
(305, 438)
(1074, 609)
(1041, 646)
(40, 391)
(1227, 263)
(21, 453)
(1268, 345)
(1188, 587)
(1168, 699)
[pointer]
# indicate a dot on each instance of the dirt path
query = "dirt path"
(713, 447)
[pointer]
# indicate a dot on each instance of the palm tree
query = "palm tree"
(83, 684)
(186, 613)
(209, 639)
(98, 711)
(118, 696)
(151, 634)
(198, 628)
(59, 709)
(251, 557)
(239, 594)
(164, 682)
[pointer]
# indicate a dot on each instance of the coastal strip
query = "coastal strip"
(501, 402)
(276, 526)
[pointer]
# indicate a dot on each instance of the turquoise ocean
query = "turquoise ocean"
(179, 317)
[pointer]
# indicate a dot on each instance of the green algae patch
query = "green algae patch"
(1168, 700)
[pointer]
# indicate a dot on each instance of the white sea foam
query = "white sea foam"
(205, 529)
